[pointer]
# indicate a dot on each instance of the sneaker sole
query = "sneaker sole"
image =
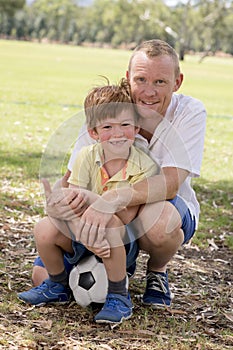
(48, 303)
(157, 306)
(113, 323)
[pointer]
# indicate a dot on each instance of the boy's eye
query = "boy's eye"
(125, 124)
(106, 127)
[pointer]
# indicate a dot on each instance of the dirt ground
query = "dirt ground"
(201, 315)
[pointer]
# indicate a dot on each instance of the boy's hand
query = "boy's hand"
(102, 252)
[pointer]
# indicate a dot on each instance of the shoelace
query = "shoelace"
(112, 303)
(156, 282)
(41, 287)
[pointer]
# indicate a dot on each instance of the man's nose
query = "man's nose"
(150, 90)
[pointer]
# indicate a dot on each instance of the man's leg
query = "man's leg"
(39, 275)
(160, 234)
(162, 228)
(161, 241)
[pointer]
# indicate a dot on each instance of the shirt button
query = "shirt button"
(105, 188)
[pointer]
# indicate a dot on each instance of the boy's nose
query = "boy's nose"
(118, 131)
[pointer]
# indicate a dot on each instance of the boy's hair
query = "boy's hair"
(107, 101)
(154, 48)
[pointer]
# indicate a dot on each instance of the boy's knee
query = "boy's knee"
(44, 229)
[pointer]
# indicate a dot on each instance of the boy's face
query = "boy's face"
(116, 134)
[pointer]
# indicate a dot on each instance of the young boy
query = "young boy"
(111, 162)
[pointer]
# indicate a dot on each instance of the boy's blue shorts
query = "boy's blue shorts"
(132, 249)
(80, 252)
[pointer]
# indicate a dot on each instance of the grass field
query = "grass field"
(43, 86)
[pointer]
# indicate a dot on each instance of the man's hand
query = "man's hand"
(65, 203)
(90, 230)
(91, 227)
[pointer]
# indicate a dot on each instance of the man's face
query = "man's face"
(152, 82)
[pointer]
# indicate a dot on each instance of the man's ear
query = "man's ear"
(93, 134)
(127, 75)
(178, 82)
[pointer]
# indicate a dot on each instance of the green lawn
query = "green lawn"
(42, 88)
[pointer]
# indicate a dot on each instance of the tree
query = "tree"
(10, 7)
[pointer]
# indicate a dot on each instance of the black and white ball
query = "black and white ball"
(88, 281)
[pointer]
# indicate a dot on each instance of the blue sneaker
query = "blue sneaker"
(157, 292)
(116, 309)
(47, 292)
(131, 270)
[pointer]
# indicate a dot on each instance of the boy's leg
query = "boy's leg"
(51, 244)
(39, 272)
(118, 304)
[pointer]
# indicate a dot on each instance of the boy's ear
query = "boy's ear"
(93, 134)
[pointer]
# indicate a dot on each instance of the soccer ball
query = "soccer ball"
(88, 281)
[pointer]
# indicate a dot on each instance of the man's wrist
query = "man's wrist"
(113, 201)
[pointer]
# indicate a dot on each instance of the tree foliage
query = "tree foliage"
(198, 25)
(9, 7)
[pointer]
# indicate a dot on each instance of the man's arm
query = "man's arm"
(153, 189)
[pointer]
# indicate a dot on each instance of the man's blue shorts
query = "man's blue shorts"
(188, 221)
(132, 249)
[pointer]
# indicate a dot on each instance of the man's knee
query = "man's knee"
(161, 223)
(158, 235)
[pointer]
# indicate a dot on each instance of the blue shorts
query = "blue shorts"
(132, 249)
(188, 222)
(80, 252)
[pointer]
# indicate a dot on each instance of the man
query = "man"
(172, 131)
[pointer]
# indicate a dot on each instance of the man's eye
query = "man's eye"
(140, 80)
(159, 82)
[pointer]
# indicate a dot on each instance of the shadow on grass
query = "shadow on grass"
(32, 165)
(20, 163)
(216, 218)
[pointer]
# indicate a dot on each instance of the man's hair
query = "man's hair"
(154, 48)
(107, 101)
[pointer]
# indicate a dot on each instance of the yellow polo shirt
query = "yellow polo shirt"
(88, 170)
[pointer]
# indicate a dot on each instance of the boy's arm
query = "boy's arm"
(126, 215)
